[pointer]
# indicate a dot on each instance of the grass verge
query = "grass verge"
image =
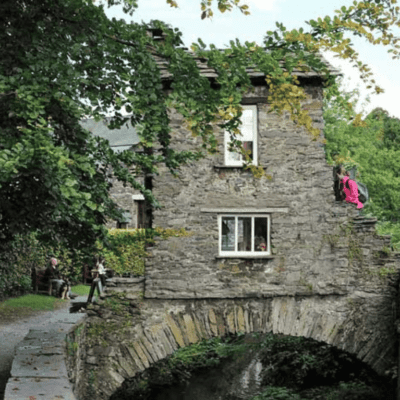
(81, 290)
(36, 302)
(17, 308)
(28, 305)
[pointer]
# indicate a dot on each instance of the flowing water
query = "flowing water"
(231, 380)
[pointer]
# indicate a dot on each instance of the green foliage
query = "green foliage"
(16, 263)
(178, 367)
(354, 391)
(126, 251)
(384, 272)
(81, 290)
(65, 60)
(26, 252)
(208, 352)
(297, 363)
(72, 346)
(294, 368)
(276, 393)
(390, 228)
(117, 306)
(373, 147)
(32, 301)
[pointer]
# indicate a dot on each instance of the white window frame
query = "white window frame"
(251, 253)
(239, 163)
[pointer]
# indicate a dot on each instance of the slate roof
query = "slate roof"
(120, 139)
(211, 73)
(126, 137)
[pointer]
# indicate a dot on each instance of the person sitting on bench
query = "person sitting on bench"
(53, 274)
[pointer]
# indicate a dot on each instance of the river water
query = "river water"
(238, 379)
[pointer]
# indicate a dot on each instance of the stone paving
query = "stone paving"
(37, 364)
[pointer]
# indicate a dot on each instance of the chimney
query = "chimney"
(157, 34)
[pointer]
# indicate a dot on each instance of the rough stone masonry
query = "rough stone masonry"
(329, 275)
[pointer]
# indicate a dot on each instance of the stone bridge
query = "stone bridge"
(127, 331)
(325, 273)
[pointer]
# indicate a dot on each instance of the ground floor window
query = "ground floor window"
(244, 235)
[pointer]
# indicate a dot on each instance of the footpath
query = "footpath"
(32, 365)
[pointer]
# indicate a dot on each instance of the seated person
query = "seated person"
(53, 274)
(348, 188)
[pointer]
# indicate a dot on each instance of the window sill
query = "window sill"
(234, 166)
(253, 256)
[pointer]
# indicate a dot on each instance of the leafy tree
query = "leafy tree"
(372, 145)
(62, 60)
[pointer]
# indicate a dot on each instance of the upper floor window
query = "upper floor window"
(244, 235)
(248, 137)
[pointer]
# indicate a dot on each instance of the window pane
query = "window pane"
(228, 234)
(247, 136)
(246, 127)
(233, 156)
(247, 116)
(244, 234)
(249, 146)
(260, 231)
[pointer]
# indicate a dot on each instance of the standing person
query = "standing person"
(348, 188)
(102, 271)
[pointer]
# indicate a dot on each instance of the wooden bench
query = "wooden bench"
(40, 285)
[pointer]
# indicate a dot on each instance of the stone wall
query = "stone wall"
(314, 248)
(122, 195)
(40, 368)
(125, 335)
(76, 360)
(330, 277)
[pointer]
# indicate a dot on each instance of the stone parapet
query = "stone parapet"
(131, 288)
(39, 369)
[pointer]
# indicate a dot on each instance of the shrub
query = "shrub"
(27, 252)
(277, 393)
(393, 229)
(126, 252)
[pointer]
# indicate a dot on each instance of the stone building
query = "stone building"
(136, 215)
(250, 236)
(247, 236)
(274, 254)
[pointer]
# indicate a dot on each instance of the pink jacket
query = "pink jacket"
(352, 193)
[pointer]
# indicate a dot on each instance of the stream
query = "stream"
(231, 380)
(279, 367)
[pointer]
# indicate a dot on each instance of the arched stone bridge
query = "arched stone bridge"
(112, 349)
(363, 327)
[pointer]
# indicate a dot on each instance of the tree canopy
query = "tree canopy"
(372, 145)
(62, 60)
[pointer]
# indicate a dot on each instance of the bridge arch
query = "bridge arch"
(352, 324)
(357, 325)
